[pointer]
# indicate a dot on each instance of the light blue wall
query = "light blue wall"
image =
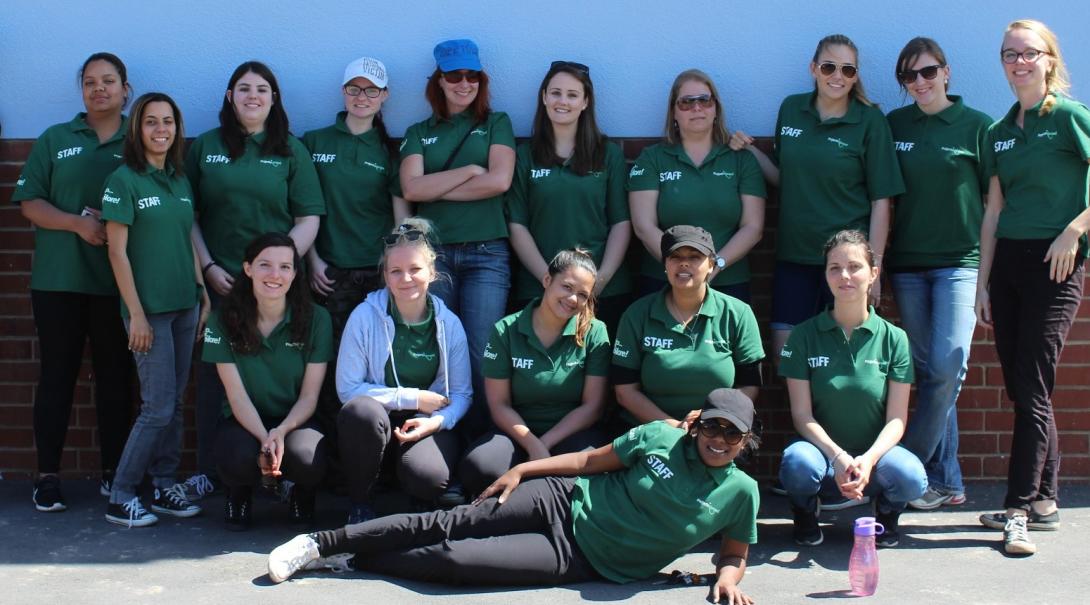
(757, 51)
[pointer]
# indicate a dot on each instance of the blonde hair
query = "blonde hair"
(719, 129)
(1056, 80)
(841, 40)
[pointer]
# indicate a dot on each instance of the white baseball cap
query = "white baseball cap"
(366, 67)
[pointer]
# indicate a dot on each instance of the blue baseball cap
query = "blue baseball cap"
(452, 55)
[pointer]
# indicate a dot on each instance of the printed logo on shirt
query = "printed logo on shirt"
(707, 506)
(273, 163)
(1049, 134)
(425, 141)
(820, 361)
(117, 156)
(787, 131)
(216, 158)
(596, 173)
(671, 175)
(1004, 145)
(109, 197)
(295, 345)
(658, 343)
(723, 173)
(210, 337)
(903, 145)
(377, 167)
(839, 143)
(620, 351)
(785, 353)
(478, 131)
(70, 152)
(572, 364)
(537, 173)
(521, 363)
(421, 355)
(402, 145)
(882, 367)
(488, 352)
(146, 202)
(186, 200)
(20, 182)
(658, 467)
(636, 171)
(323, 158)
(956, 150)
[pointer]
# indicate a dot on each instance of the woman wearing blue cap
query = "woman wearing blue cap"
(455, 168)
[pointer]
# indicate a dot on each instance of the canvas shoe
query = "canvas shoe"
(1016, 537)
(301, 553)
(1035, 521)
(130, 514)
(933, 498)
(172, 501)
(198, 486)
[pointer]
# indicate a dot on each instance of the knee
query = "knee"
(305, 462)
(362, 415)
(902, 471)
(158, 415)
(803, 468)
(423, 478)
(477, 471)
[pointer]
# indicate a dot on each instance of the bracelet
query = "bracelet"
(210, 264)
(836, 456)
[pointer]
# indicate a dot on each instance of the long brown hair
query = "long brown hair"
(571, 259)
(590, 143)
(912, 51)
(134, 152)
(841, 40)
(1056, 80)
(276, 124)
(480, 108)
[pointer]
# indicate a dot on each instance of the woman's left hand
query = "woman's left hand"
(1061, 255)
(725, 591)
(206, 310)
(415, 429)
(274, 444)
(859, 476)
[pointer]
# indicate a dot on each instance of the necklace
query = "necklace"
(689, 324)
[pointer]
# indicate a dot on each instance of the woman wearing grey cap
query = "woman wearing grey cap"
(621, 513)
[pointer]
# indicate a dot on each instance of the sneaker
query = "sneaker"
(292, 556)
(839, 502)
(237, 507)
(1016, 537)
(47, 494)
(172, 501)
(106, 483)
(777, 488)
(453, 496)
(198, 486)
(130, 514)
(360, 513)
(1035, 521)
(807, 531)
(890, 537)
(933, 498)
(301, 506)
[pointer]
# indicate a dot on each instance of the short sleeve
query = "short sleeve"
(393, 182)
(516, 197)
(320, 347)
(216, 349)
(34, 181)
(630, 446)
(410, 143)
(193, 172)
(880, 158)
(644, 175)
(304, 188)
(900, 362)
(793, 356)
(752, 181)
(981, 147)
(496, 359)
(616, 196)
(744, 527)
(775, 155)
(502, 132)
(1079, 121)
(598, 353)
(987, 154)
(118, 204)
(626, 353)
(746, 344)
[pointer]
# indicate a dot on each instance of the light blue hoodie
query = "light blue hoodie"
(366, 347)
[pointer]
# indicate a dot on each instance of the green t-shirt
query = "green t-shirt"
(848, 379)
(435, 139)
(67, 167)
(563, 210)
(936, 221)
(680, 366)
(415, 351)
(1042, 169)
(157, 205)
(830, 172)
(254, 194)
(709, 196)
(546, 383)
(358, 178)
(273, 376)
(633, 522)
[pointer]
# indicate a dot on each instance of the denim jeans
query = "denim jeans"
(155, 441)
(937, 312)
(896, 479)
(474, 279)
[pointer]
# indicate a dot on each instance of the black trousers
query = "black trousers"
(495, 453)
(524, 542)
(65, 321)
(304, 459)
(1032, 315)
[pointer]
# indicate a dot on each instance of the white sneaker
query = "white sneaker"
(292, 556)
(1016, 537)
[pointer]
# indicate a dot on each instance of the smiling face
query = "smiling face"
(928, 93)
(362, 106)
(407, 272)
(252, 99)
(1021, 74)
(460, 95)
(567, 293)
(103, 90)
(836, 86)
(688, 268)
(715, 451)
(564, 98)
(272, 271)
(157, 131)
(848, 273)
(699, 119)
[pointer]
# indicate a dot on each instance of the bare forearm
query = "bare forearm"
(481, 187)
(580, 418)
(304, 232)
(741, 243)
(639, 405)
(526, 249)
(879, 227)
(436, 186)
(47, 216)
(616, 248)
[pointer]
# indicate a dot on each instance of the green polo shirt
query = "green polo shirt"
(1042, 169)
(67, 167)
(709, 196)
(546, 382)
(157, 205)
(435, 139)
(272, 377)
(563, 210)
(415, 351)
(848, 379)
(680, 366)
(358, 177)
(830, 172)
(632, 523)
(254, 194)
(936, 221)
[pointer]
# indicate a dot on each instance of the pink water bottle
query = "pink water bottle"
(863, 565)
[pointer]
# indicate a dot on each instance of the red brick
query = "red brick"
(1072, 374)
(982, 334)
(89, 461)
(1077, 467)
(18, 304)
(79, 437)
(5, 194)
(16, 394)
(997, 420)
(18, 371)
(15, 150)
(994, 466)
(970, 420)
(16, 416)
(13, 282)
(1073, 421)
(1074, 444)
(1071, 398)
(17, 262)
(10, 216)
(15, 349)
(983, 353)
(13, 460)
(16, 437)
(9, 171)
(970, 466)
(978, 443)
(979, 397)
(993, 376)
(974, 376)
(1080, 331)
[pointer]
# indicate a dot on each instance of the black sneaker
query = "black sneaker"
(891, 536)
(807, 531)
(172, 501)
(106, 483)
(301, 505)
(130, 514)
(237, 507)
(47, 494)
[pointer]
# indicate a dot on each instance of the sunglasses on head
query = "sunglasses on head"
(908, 76)
(579, 67)
(403, 233)
(454, 77)
(687, 103)
(829, 68)
(711, 429)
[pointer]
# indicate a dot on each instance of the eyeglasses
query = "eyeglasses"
(454, 77)
(403, 233)
(688, 102)
(579, 67)
(1030, 55)
(829, 68)
(908, 76)
(371, 92)
(712, 429)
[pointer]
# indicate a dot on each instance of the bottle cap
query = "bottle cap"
(867, 526)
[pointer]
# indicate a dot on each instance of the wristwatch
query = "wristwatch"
(720, 263)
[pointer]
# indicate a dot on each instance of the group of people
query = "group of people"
(388, 355)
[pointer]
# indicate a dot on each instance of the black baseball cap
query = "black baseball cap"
(729, 404)
(686, 235)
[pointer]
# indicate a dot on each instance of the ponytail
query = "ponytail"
(577, 258)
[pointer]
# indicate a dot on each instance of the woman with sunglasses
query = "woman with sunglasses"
(250, 176)
(270, 344)
(834, 162)
(1032, 248)
(72, 291)
(685, 339)
(694, 178)
(620, 513)
(358, 173)
(545, 371)
(148, 209)
(934, 254)
(455, 168)
(848, 373)
(568, 191)
(403, 375)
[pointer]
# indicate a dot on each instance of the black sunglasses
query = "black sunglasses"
(687, 103)
(829, 68)
(571, 65)
(908, 76)
(403, 233)
(454, 77)
(712, 429)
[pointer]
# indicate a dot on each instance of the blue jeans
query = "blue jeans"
(155, 442)
(896, 479)
(474, 279)
(937, 312)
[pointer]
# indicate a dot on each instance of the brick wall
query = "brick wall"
(985, 415)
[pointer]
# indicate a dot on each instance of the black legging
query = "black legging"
(496, 452)
(304, 459)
